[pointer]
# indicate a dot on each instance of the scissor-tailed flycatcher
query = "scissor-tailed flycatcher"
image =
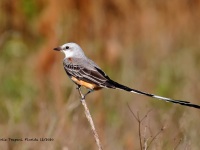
(84, 72)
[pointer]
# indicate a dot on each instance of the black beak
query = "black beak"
(57, 49)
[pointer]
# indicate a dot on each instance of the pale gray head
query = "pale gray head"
(71, 50)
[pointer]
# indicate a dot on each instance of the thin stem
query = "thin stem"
(140, 135)
(139, 124)
(155, 137)
(178, 144)
(89, 118)
(137, 117)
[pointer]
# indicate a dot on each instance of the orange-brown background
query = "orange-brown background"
(153, 46)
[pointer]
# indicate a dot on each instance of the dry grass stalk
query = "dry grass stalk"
(89, 118)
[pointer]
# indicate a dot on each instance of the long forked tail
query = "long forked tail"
(122, 87)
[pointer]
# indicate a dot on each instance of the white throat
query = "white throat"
(68, 54)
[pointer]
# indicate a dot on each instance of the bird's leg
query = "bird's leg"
(79, 90)
(78, 87)
(89, 91)
(81, 94)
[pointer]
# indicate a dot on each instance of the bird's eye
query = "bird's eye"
(67, 47)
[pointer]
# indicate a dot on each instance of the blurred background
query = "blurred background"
(153, 46)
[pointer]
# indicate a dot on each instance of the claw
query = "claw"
(78, 87)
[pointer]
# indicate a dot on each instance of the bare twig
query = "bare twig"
(89, 118)
(177, 144)
(139, 123)
(145, 139)
(155, 137)
(146, 146)
(187, 146)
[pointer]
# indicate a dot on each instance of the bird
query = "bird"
(85, 72)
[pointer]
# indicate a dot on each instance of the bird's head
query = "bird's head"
(71, 50)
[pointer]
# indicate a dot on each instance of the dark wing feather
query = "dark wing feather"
(93, 76)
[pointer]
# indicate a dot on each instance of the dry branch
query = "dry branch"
(140, 120)
(89, 118)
